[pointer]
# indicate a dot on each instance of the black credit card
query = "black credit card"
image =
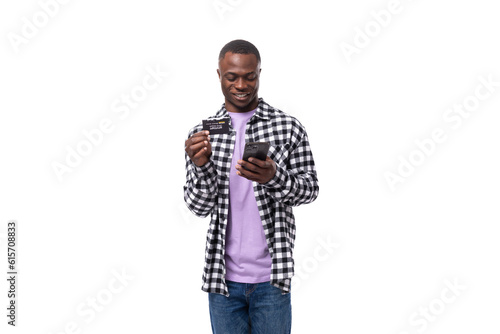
(217, 125)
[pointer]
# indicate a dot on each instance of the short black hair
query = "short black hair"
(239, 46)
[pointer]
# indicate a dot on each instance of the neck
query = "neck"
(251, 106)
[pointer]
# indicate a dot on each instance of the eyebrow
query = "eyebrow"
(232, 73)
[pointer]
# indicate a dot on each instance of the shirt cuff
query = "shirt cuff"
(279, 179)
(207, 169)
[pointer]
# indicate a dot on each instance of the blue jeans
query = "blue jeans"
(250, 309)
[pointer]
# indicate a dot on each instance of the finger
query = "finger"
(197, 139)
(200, 153)
(260, 163)
(247, 166)
(193, 149)
(246, 174)
(252, 175)
(209, 149)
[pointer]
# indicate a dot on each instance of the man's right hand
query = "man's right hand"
(198, 148)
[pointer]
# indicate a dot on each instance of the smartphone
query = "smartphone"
(257, 150)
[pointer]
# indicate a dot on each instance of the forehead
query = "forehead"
(238, 63)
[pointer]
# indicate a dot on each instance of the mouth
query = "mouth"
(241, 96)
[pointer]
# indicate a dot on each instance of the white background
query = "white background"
(121, 208)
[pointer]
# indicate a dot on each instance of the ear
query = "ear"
(218, 73)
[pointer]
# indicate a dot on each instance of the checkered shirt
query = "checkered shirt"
(207, 191)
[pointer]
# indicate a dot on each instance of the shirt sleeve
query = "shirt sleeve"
(200, 190)
(296, 182)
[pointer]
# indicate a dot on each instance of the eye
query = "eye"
(230, 78)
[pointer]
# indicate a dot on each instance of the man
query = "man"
(250, 240)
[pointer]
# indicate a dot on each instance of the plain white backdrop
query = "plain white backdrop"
(109, 246)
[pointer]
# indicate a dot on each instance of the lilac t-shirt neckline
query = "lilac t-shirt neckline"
(246, 252)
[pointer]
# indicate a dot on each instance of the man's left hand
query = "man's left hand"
(260, 171)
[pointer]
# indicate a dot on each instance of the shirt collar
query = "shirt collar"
(263, 111)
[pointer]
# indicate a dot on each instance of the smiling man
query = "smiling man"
(249, 250)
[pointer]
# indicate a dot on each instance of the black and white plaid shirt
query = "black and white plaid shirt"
(207, 191)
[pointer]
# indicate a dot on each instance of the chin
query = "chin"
(244, 104)
(241, 105)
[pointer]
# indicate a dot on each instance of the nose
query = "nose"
(239, 84)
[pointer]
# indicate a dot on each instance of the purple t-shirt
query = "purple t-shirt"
(247, 256)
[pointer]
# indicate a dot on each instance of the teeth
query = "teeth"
(241, 95)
